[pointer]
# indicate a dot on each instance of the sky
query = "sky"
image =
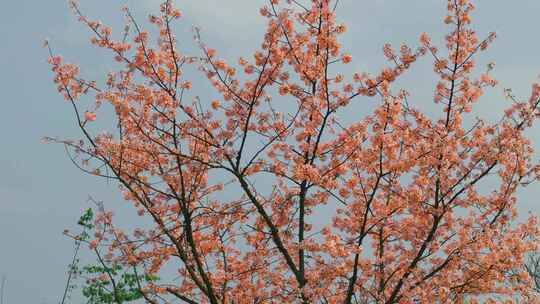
(42, 193)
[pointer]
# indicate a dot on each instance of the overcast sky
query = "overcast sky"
(42, 193)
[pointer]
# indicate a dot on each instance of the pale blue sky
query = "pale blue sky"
(41, 192)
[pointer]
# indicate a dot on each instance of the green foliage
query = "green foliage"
(106, 282)
(86, 219)
(113, 284)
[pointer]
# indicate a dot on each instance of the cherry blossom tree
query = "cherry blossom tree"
(268, 194)
(533, 268)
